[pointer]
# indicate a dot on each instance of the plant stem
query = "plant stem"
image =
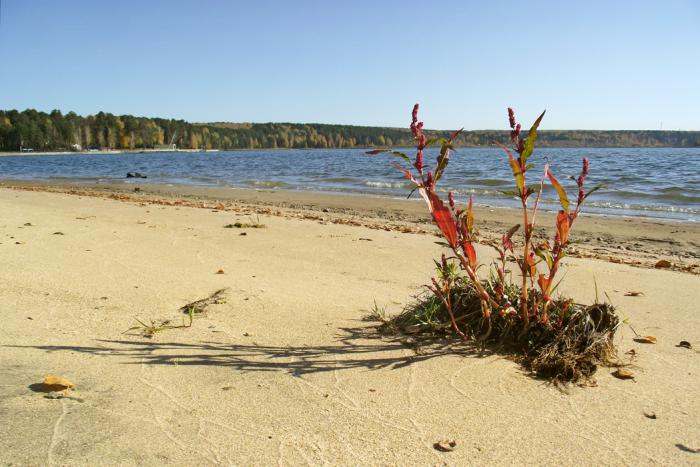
(525, 266)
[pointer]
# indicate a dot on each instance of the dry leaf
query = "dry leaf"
(220, 271)
(645, 339)
(633, 294)
(56, 383)
(446, 445)
(685, 345)
(663, 264)
(622, 373)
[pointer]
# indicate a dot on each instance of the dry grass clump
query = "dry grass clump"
(570, 350)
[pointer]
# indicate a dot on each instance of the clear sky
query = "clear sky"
(609, 64)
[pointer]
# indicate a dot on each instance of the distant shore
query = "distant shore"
(99, 151)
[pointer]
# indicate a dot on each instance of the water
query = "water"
(662, 183)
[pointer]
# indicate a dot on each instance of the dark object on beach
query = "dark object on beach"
(135, 175)
(663, 264)
(137, 189)
(446, 445)
(651, 416)
(685, 345)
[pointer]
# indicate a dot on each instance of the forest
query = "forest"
(55, 131)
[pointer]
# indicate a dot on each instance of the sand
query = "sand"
(286, 371)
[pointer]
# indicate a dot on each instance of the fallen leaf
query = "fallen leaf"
(633, 294)
(663, 264)
(650, 415)
(58, 233)
(622, 373)
(220, 271)
(645, 339)
(685, 345)
(56, 383)
(446, 445)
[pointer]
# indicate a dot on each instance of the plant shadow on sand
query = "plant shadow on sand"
(355, 347)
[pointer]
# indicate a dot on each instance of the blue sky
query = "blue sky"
(592, 65)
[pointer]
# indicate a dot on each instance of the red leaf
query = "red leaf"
(443, 218)
(543, 282)
(563, 227)
(406, 173)
(470, 252)
(456, 134)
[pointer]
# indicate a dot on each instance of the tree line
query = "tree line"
(55, 131)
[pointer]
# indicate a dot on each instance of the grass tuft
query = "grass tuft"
(569, 348)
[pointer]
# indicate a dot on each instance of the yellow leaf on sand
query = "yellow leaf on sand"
(622, 373)
(645, 339)
(56, 383)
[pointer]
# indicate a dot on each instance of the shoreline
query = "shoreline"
(615, 239)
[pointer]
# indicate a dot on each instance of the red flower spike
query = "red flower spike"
(511, 118)
(419, 160)
(414, 120)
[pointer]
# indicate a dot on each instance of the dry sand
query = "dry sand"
(286, 371)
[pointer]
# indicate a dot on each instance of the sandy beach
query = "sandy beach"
(285, 370)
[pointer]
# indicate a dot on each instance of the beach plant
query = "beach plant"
(555, 336)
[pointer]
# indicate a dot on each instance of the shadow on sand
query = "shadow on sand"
(360, 347)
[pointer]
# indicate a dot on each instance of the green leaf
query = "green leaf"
(593, 190)
(546, 257)
(510, 193)
(442, 160)
(391, 152)
(529, 144)
(432, 141)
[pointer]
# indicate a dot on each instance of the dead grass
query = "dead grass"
(569, 348)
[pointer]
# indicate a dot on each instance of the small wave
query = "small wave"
(643, 207)
(338, 179)
(491, 182)
(267, 184)
(378, 184)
